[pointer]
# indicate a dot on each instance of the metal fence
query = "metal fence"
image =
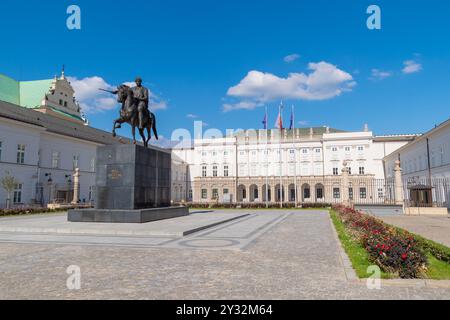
(426, 192)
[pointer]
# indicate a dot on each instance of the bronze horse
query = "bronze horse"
(129, 114)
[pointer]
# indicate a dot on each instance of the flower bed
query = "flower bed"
(27, 210)
(395, 252)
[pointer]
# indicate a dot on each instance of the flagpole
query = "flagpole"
(295, 156)
(267, 160)
(281, 156)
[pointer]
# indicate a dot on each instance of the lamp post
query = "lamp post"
(50, 185)
(69, 186)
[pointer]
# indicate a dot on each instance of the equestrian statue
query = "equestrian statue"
(135, 111)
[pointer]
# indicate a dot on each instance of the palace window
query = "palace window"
(362, 170)
(350, 193)
(318, 150)
(254, 170)
(334, 149)
(204, 194)
(92, 164)
(226, 191)
(190, 194)
(292, 169)
(226, 171)
(305, 151)
(347, 149)
(225, 153)
(21, 154)
(215, 194)
(319, 193)
(350, 170)
(18, 194)
(204, 171)
(214, 171)
(335, 171)
(363, 193)
(55, 160)
(360, 148)
(307, 193)
(336, 193)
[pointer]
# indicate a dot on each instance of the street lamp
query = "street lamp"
(49, 181)
(69, 186)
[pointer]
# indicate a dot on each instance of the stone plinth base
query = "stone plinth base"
(414, 211)
(127, 216)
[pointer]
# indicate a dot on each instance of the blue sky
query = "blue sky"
(207, 58)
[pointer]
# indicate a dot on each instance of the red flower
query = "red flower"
(404, 256)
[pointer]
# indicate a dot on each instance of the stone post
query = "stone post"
(345, 185)
(399, 198)
(76, 186)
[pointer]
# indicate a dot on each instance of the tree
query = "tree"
(9, 183)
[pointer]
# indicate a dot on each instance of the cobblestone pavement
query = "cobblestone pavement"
(289, 256)
(436, 228)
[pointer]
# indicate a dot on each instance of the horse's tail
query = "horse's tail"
(155, 132)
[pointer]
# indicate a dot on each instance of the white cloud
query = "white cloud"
(380, 75)
(291, 58)
(92, 100)
(325, 81)
(191, 116)
(411, 66)
(243, 105)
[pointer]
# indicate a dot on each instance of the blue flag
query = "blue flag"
(292, 119)
(265, 121)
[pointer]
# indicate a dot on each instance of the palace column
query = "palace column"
(345, 185)
(399, 198)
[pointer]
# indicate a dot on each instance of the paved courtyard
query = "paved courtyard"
(256, 255)
(436, 228)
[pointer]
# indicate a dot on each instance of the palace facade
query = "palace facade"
(295, 166)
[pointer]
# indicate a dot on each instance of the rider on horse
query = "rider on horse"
(142, 96)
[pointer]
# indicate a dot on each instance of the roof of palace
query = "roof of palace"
(57, 125)
(298, 131)
(28, 94)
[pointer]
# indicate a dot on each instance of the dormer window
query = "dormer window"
(65, 104)
(60, 102)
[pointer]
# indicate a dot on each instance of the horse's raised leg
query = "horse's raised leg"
(115, 126)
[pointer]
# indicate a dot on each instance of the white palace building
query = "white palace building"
(306, 164)
(44, 139)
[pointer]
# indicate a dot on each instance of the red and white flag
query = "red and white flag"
(279, 123)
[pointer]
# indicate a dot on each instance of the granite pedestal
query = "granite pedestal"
(132, 186)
